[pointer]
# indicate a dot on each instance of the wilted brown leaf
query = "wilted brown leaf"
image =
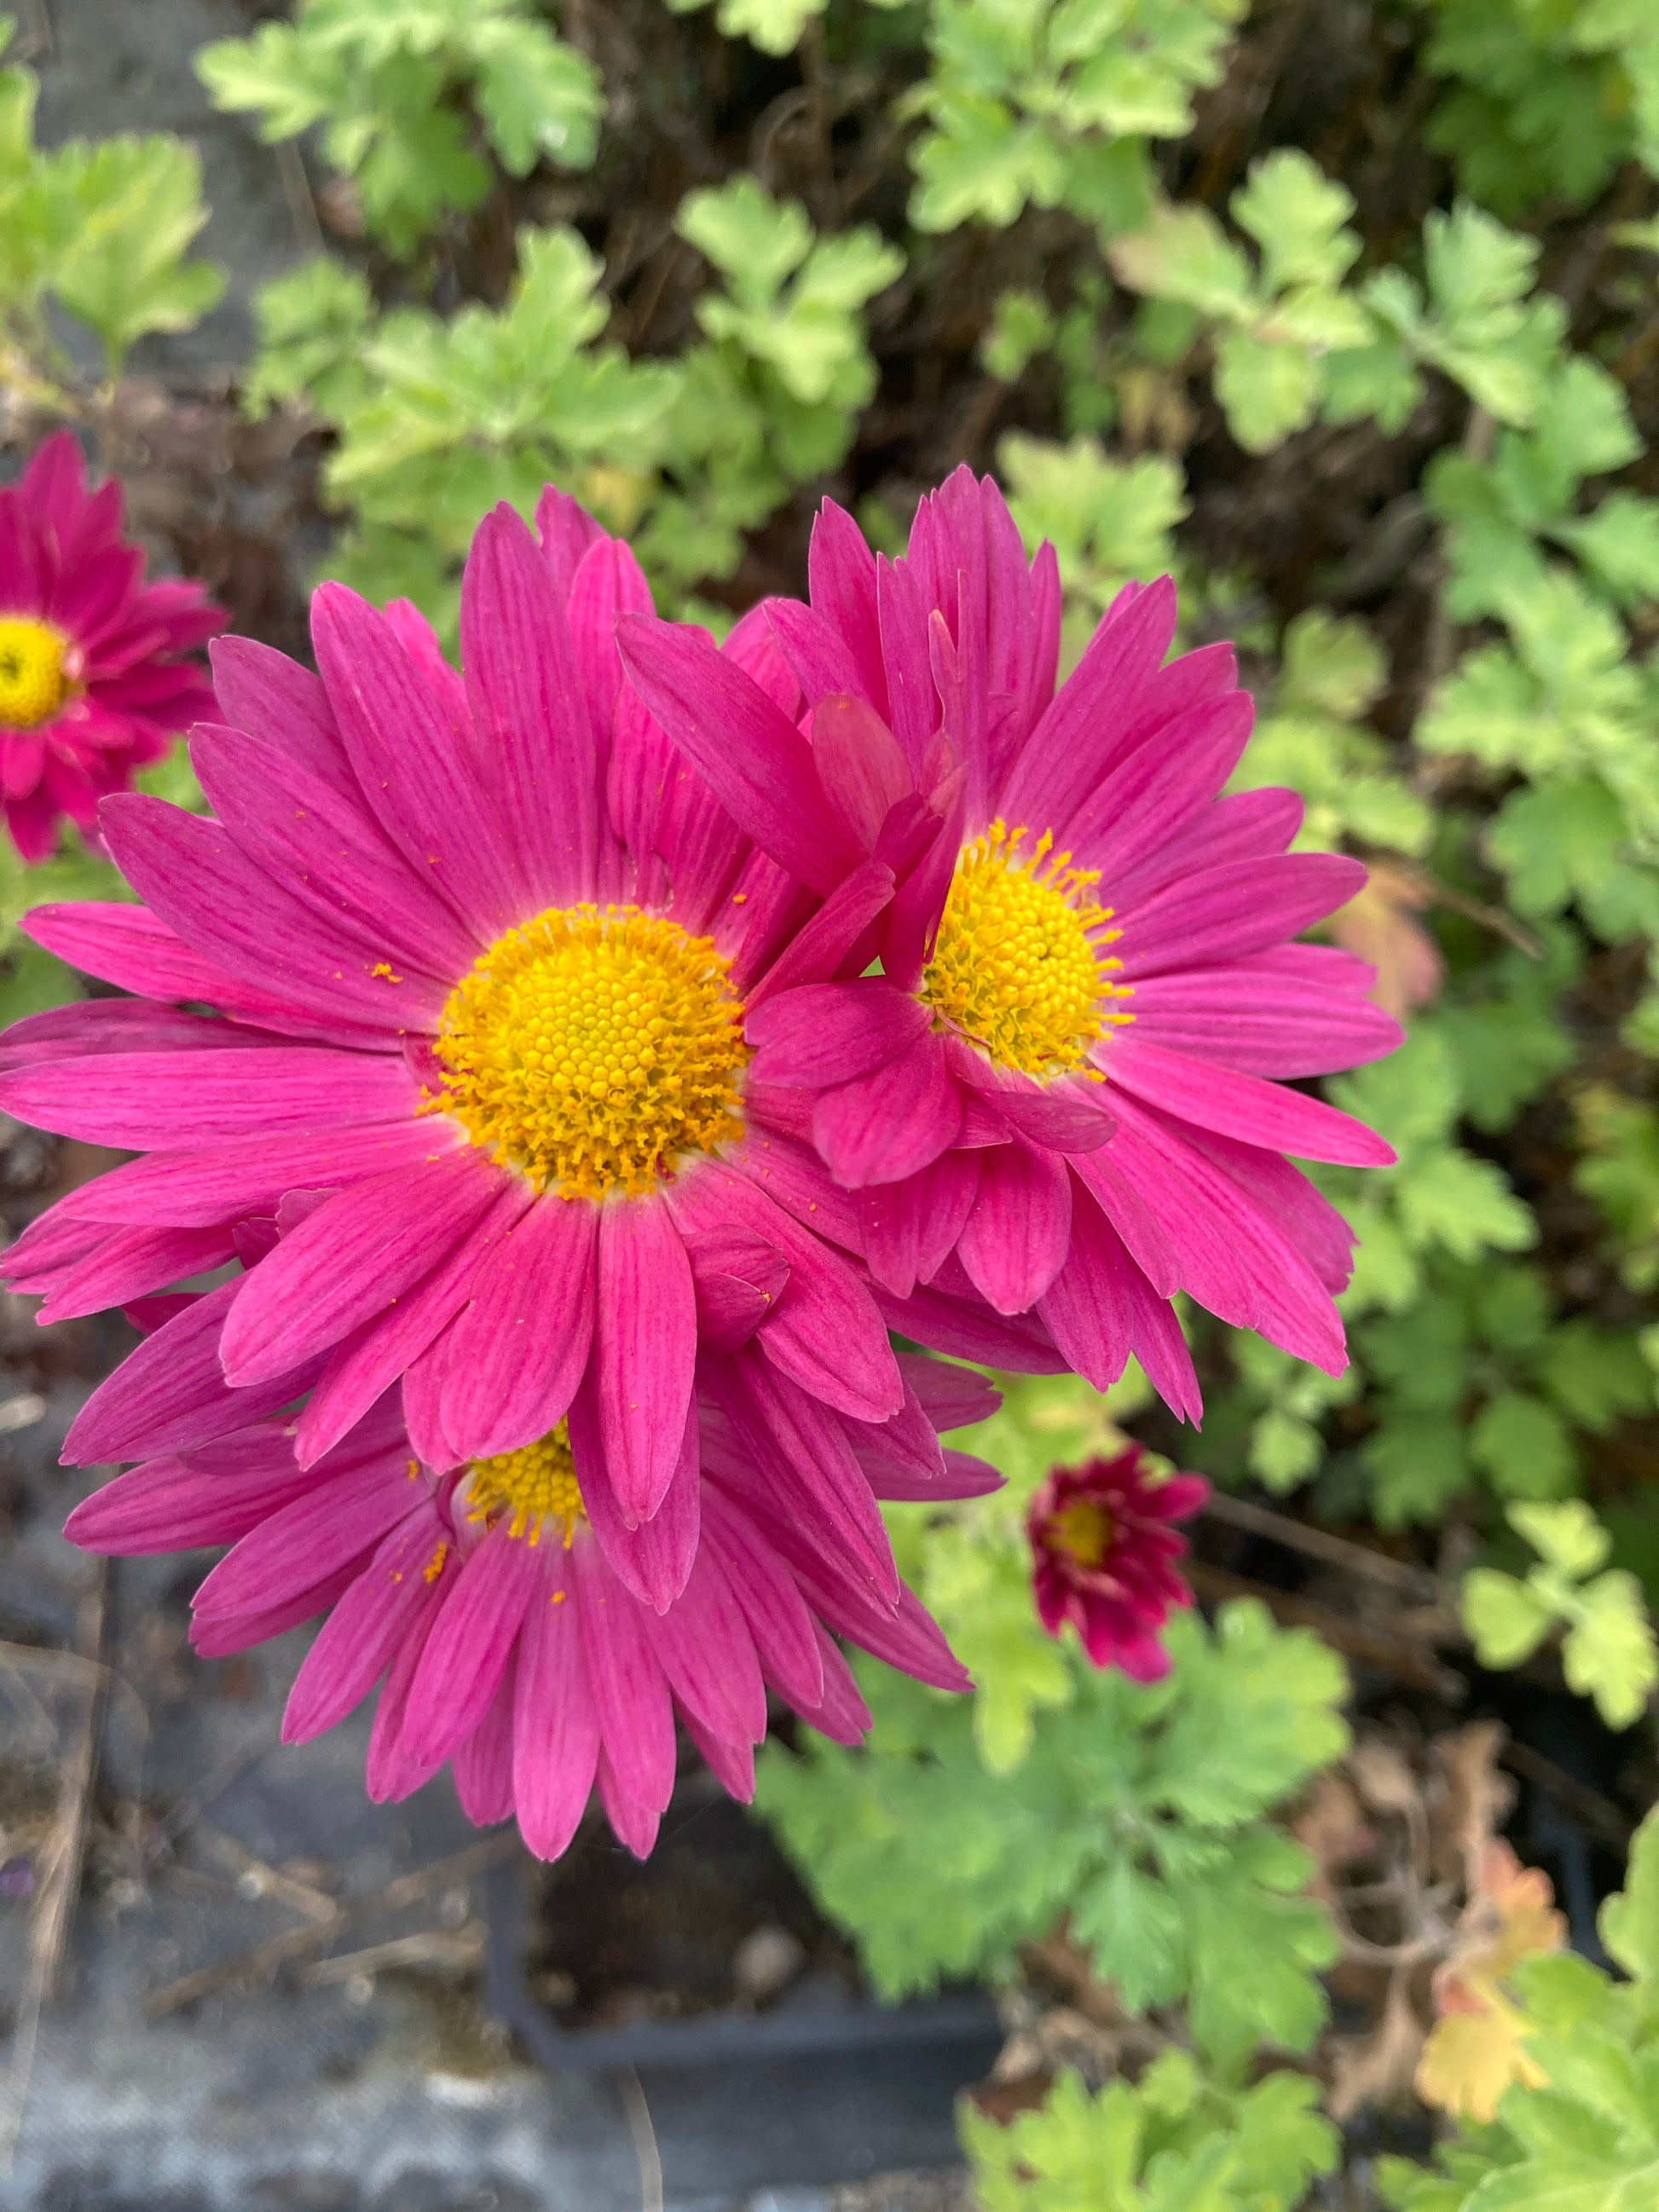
(1377, 925)
(1476, 1798)
(1476, 2047)
(1375, 2068)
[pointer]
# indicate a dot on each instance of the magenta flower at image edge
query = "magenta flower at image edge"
(421, 891)
(1064, 1091)
(91, 685)
(1102, 1555)
(507, 1643)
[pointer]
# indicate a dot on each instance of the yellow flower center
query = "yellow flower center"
(33, 682)
(592, 1049)
(528, 1488)
(1019, 968)
(1084, 1530)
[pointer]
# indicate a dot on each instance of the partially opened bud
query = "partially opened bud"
(1103, 1553)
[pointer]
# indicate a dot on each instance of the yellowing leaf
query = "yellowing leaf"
(1471, 2058)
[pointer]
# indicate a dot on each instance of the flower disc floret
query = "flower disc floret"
(1084, 1530)
(594, 1049)
(1019, 965)
(528, 1488)
(34, 677)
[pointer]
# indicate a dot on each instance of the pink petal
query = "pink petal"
(412, 766)
(892, 1123)
(1243, 1106)
(355, 1643)
(312, 1536)
(482, 1765)
(608, 581)
(467, 1649)
(327, 851)
(1250, 825)
(966, 1329)
(652, 1560)
(240, 1632)
(792, 1450)
(100, 1025)
(128, 946)
(140, 1101)
(824, 1331)
(1013, 1242)
(1225, 912)
(170, 1505)
(841, 1713)
(755, 762)
(127, 1263)
(566, 531)
(910, 1226)
(1068, 1114)
(778, 1621)
(631, 1697)
(170, 1393)
(389, 1773)
(190, 874)
(555, 1729)
(842, 575)
(703, 1646)
(1263, 1016)
(539, 746)
(362, 1370)
(645, 1346)
(815, 952)
(863, 772)
(1082, 732)
(513, 1359)
(1157, 790)
(223, 1182)
(272, 697)
(821, 660)
(902, 611)
(360, 1251)
(738, 1276)
(829, 1033)
(951, 1397)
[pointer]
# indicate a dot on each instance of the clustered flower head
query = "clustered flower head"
(1104, 1554)
(1061, 1099)
(586, 1057)
(92, 685)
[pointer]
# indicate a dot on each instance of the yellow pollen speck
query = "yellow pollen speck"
(1019, 968)
(592, 1049)
(558, 1597)
(383, 968)
(434, 1566)
(413, 1469)
(1084, 1530)
(34, 677)
(528, 1487)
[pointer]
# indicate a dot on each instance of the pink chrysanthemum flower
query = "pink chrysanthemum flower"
(479, 952)
(1103, 1555)
(91, 683)
(504, 1637)
(1087, 942)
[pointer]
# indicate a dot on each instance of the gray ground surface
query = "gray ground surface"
(344, 2083)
